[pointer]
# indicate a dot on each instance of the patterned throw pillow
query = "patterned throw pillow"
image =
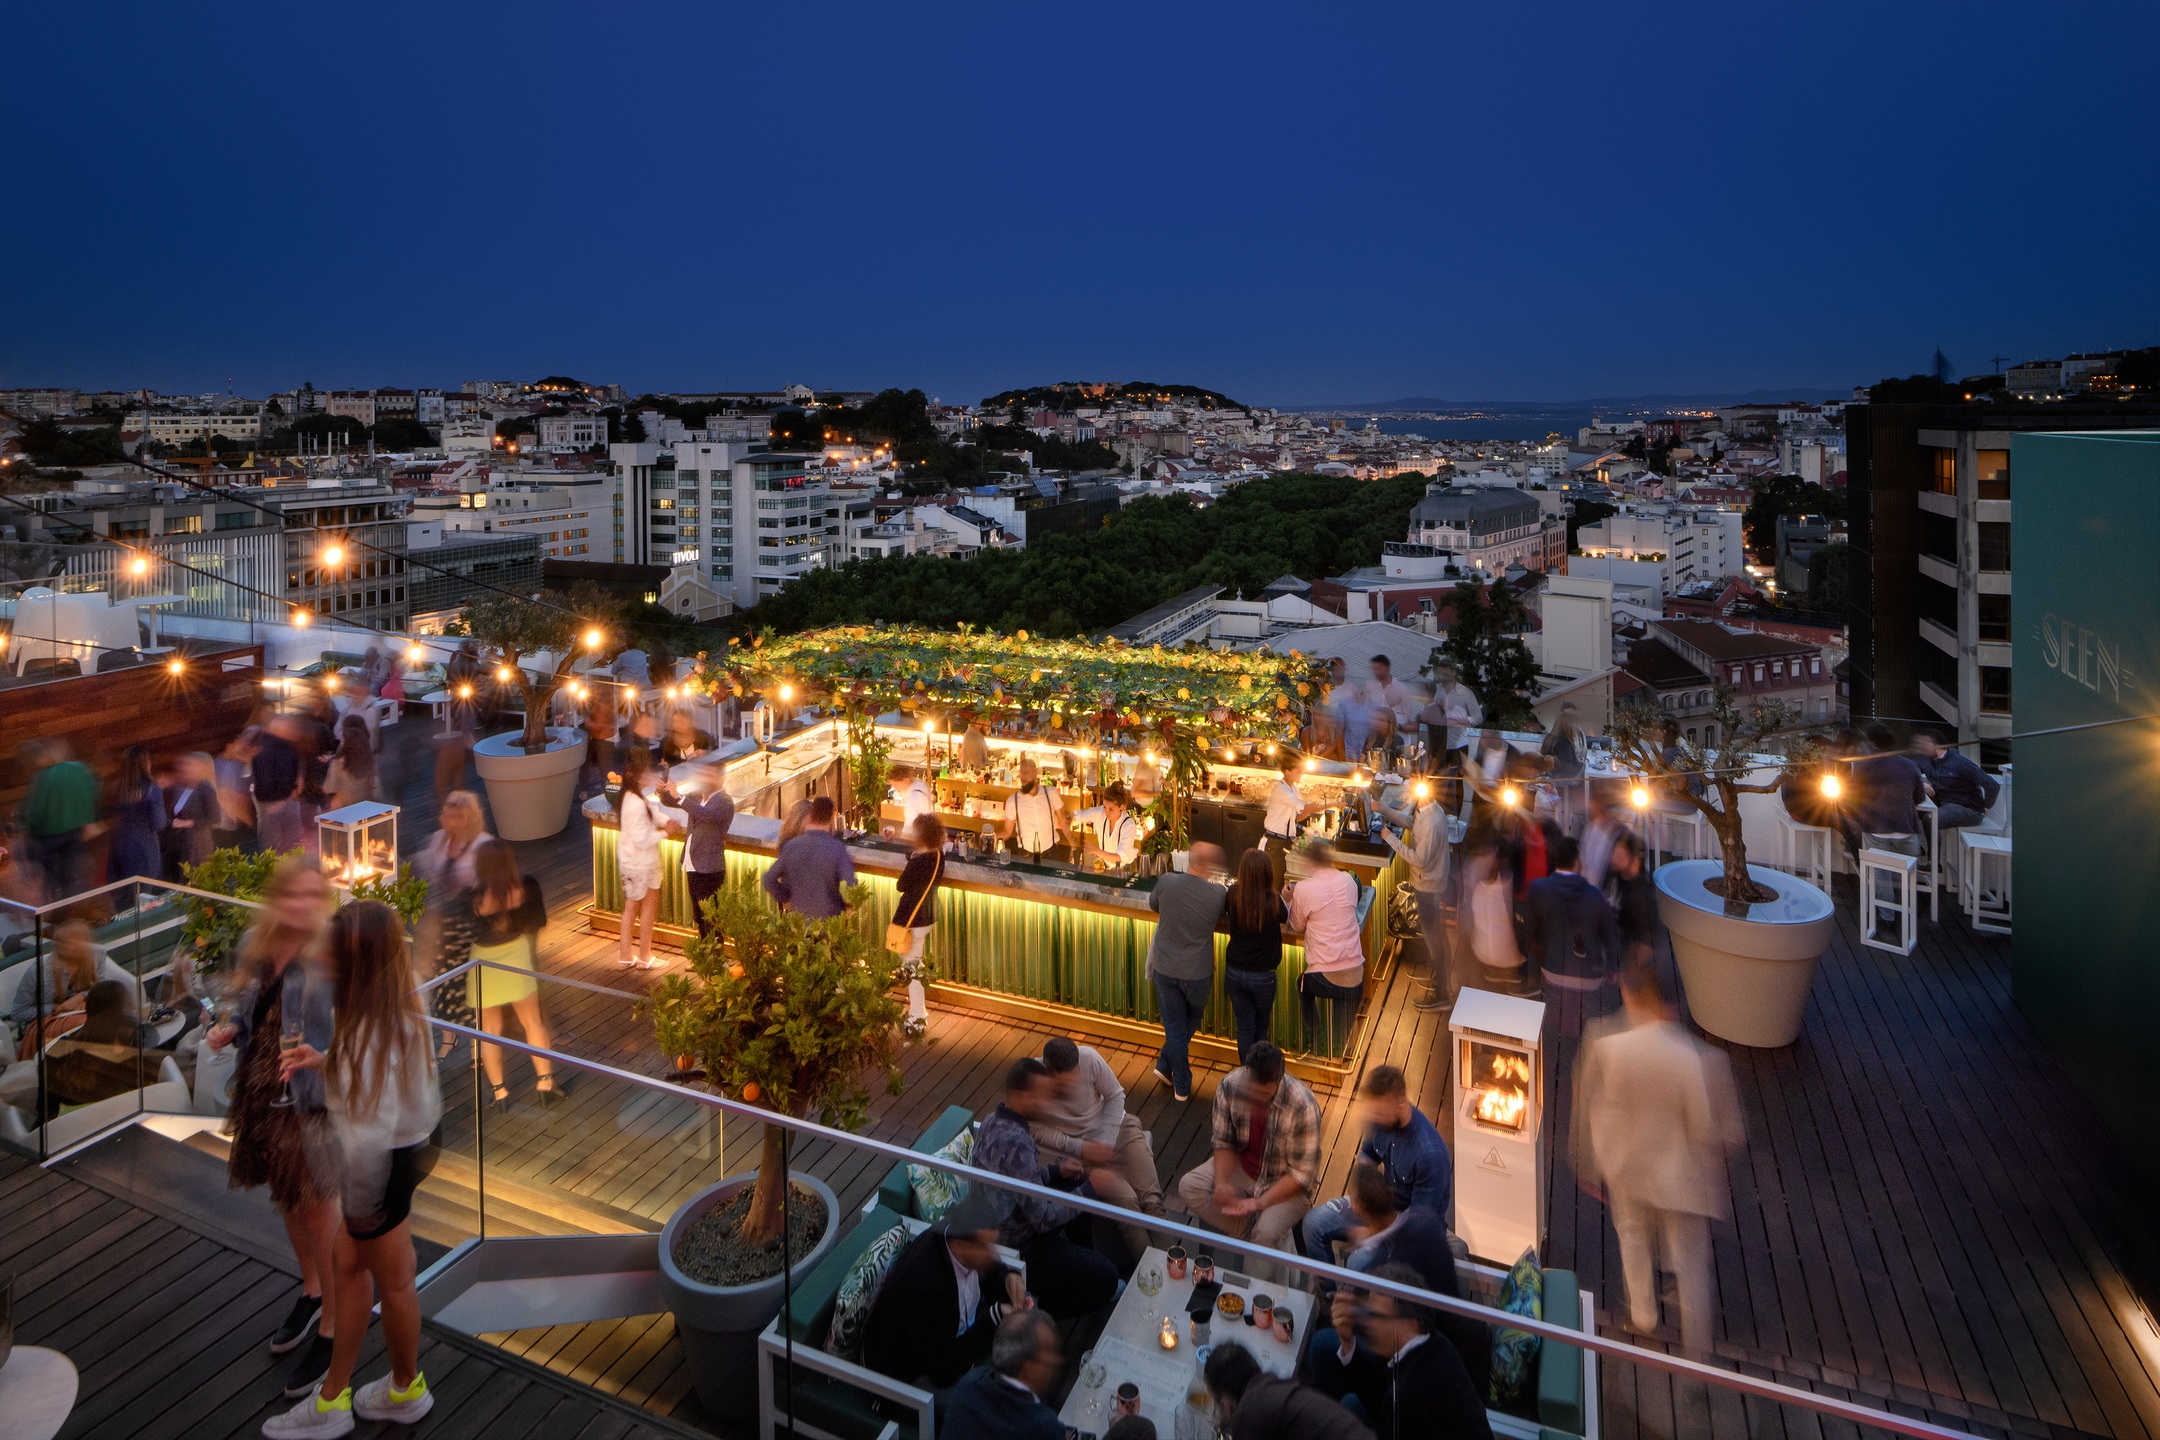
(936, 1191)
(1513, 1351)
(859, 1291)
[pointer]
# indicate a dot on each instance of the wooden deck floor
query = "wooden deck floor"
(1926, 1214)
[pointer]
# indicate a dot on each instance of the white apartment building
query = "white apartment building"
(468, 433)
(571, 432)
(753, 519)
(568, 517)
(1490, 529)
(179, 429)
(1688, 543)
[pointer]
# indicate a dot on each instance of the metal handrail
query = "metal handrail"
(1559, 1334)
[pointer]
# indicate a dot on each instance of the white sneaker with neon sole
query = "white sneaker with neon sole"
(312, 1419)
(377, 1400)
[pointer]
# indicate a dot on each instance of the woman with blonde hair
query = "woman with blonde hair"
(794, 822)
(385, 1104)
(280, 1129)
(446, 863)
(507, 917)
(637, 855)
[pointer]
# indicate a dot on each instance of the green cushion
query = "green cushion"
(809, 1314)
(1560, 1367)
(893, 1192)
(937, 1191)
(1515, 1352)
(859, 1291)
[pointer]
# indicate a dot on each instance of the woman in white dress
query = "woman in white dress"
(637, 857)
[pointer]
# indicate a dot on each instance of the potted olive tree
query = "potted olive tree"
(1746, 938)
(796, 1016)
(529, 646)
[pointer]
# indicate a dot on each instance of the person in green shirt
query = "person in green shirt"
(61, 806)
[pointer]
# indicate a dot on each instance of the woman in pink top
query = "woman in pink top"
(1323, 910)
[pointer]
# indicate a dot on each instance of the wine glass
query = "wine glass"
(1092, 1374)
(288, 1041)
(1149, 1280)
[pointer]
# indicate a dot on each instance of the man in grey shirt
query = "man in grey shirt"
(1085, 1125)
(1426, 854)
(1181, 958)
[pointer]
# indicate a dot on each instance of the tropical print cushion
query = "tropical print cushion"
(936, 1191)
(1515, 1351)
(859, 1291)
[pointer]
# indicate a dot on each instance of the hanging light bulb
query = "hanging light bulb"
(138, 567)
(464, 692)
(175, 665)
(787, 693)
(1311, 765)
(302, 618)
(1639, 797)
(1510, 796)
(333, 554)
(1422, 790)
(1832, 787)
(593, 637)
(502, 673)
(929, 727)
(415, 654)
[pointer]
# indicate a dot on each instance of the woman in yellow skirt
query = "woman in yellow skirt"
(507, 917)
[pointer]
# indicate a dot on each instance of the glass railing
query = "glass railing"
(603, 1233)
(105, 998)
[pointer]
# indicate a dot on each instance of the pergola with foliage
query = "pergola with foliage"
(1099, 688)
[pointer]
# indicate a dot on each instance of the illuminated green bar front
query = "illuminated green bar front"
(1036, 946)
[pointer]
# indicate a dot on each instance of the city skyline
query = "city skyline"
(1295, 211)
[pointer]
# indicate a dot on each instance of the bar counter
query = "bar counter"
(1036, 942)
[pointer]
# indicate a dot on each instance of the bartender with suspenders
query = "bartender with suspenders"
(1034, 814)
(1286, 810)
(1117, 832)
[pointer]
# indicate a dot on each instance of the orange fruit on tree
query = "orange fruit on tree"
(750, 1092)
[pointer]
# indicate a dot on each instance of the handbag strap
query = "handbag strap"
(923, 899)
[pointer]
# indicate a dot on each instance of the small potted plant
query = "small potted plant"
(796, 1016)
(1746, 938)
(531, 778)
(209, 932)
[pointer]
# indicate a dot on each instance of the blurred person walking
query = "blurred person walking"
(191, 805)
(1656, 1119)
(1573, 936)
(1252, 958)
(280, 1129)
(461, 721)
(58, 813)
(1425, 851)
(276, 771)
(385, 1105)
(138, 820)
(236, 793)
(352, 776)
(507, 915)
(446, 863)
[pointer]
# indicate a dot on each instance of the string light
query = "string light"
(415, 654)
(464, 692)
(787, 693)
(1639, 797)
(175, 665)
(138, 567)
(593, 637)
(333, 554)
(1832, 787)
(302, 618)
(929, 727)
(502, 673)
(1422, 790)
(330, 683)
(1510, 796)
(1311, 765)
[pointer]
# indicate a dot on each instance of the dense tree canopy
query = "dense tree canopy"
(1152, 549)
(1785, 495)
(400, 432)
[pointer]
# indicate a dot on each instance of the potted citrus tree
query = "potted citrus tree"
(528, 647)
(1746, 938)
(797, 1017)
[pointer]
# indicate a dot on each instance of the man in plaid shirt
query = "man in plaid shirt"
(1266, 1156)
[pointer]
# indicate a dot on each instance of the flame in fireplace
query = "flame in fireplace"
(1502, 1107)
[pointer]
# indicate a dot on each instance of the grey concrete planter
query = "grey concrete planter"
(1747, 970)
(719, 1324)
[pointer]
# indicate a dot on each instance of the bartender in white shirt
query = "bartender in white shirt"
(913, 793)
(1117, 832)
(1287, 808)
(1385, 692)
(1034, 814)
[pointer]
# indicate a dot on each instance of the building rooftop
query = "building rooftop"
(1722, 642)
(1131, 630)
(1660, 666)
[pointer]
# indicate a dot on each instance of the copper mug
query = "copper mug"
(1283, 1323)
(1203, 1269)
(1177, 1262)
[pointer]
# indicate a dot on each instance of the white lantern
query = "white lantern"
(358, 842)
(1500, 1108)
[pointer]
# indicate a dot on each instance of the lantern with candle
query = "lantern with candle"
(357, 843)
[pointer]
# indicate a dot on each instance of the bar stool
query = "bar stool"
(1900, 872)
(1984, 882)
(1690, 823)
(1808, 851)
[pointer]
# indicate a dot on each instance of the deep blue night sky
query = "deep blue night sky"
(1308, 204)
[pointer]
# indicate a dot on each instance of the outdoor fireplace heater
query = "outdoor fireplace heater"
(1499, 1114)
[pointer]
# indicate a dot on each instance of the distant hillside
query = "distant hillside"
(1427, 404)
(1072, 394)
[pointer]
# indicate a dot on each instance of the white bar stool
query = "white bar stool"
(1679, 834)
(1984, 882)
(1879, 909)
(1932, 876)
(1808, 851)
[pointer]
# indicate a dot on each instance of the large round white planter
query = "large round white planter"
(530, 794)
(1746, 969)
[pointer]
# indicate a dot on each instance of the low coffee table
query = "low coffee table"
(1131, 1344)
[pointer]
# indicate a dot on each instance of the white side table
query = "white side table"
(37, 1393)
